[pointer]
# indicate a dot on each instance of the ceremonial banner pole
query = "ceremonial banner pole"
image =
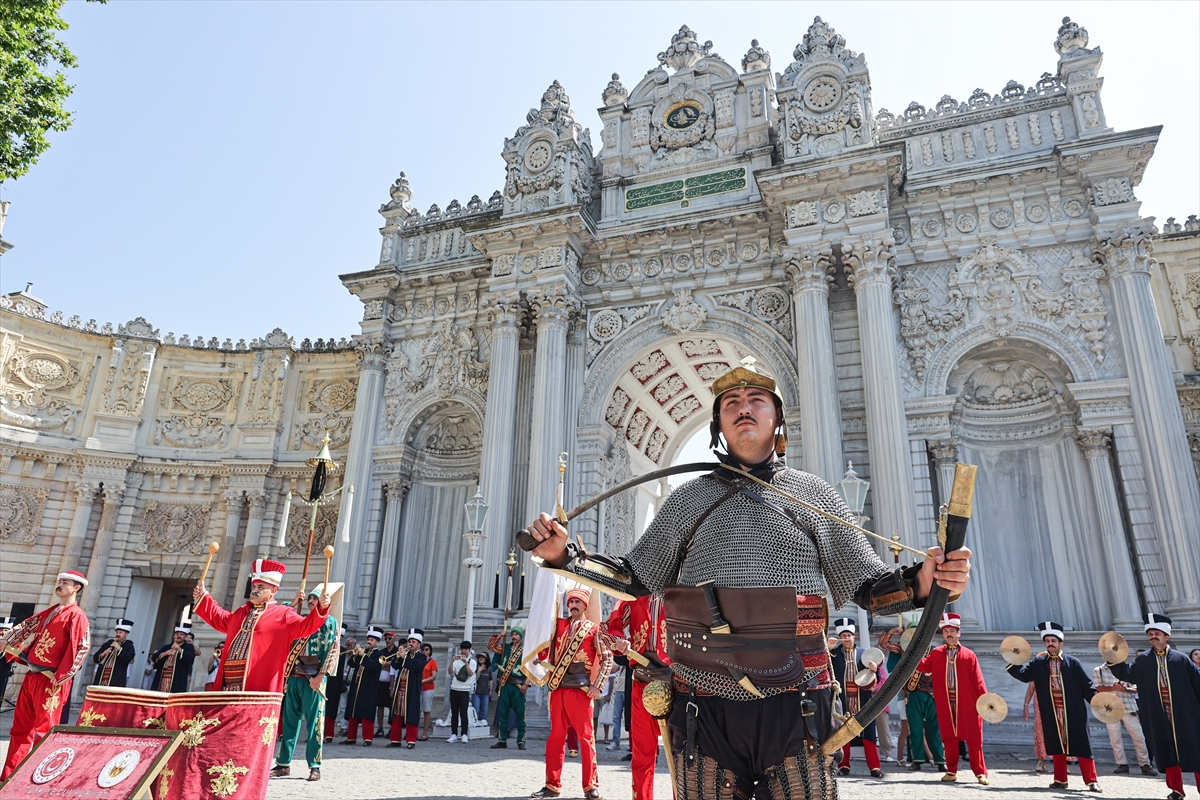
(323, 463)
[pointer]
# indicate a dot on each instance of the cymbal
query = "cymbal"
(872, 656)
(906, 638)
(991, 707)
(1113, 647)
(1108, 707)
(1015, 650)
(864, 677)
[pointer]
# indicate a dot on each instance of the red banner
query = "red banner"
(228, 744)
(117, 707)
(94, 763)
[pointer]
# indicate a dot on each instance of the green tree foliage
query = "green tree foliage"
(33, 88)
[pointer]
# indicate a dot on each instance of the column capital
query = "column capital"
(505, 309)
(554, 306)
(810, 267)
(1126, 250)
(372, 352)
(257, 499)
(114, 494)
(944, 450)
(1094, 441)
(233, 497)
(396, 490)
(86, 490)
(870, 259)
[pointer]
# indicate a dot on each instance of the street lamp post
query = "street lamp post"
(853, 491)
(476, 509)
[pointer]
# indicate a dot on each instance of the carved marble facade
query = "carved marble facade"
(969, 281)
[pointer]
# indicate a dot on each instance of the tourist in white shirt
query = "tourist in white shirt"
(462, 684)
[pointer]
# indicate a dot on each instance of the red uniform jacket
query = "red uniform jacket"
(592, 650)
(62, 644)
(644, 635)
(270, 644)
(970, 687)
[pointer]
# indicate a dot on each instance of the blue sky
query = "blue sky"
(228, 159)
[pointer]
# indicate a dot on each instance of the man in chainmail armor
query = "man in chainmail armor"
(745, 572)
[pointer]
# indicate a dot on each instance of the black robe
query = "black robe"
(1077, 692)
(181, 679)
(838, 656)
(335, 685)
(383, 697)
(1176, 745)
(120, 669)
(406, 707)
(363, 689)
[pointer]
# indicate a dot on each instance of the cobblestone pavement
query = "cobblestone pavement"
(438, 770)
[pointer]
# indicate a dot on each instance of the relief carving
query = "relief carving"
(21, 510)
(202, 401)
(324, 532)
(38, 389)
(172, 527)
(128, 374)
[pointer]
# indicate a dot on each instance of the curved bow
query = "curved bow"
(952, 534)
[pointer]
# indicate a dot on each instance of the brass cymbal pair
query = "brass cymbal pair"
(1015, 650)
(1113, 647)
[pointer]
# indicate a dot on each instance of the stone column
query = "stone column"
(820, 411)
(499, 428)
(102, 547)
(549, 400)
(869, 263)
(1174, 494)
(1123, 606)
(219, 588)
(257, 500)
(385, 574)
(368, 400)
(85, 494)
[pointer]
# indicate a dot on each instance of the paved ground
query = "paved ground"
(438, 770)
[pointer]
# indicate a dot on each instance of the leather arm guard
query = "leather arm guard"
(611, 575)
(890, 593)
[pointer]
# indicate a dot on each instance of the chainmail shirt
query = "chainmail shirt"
(743, 543)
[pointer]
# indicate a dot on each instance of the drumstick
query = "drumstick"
(328, 556)
(213, 547)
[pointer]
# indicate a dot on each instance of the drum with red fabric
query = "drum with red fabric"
(117, 707)
(228, 744)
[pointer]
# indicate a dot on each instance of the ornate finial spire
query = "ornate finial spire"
(615, 92)
(756, 58)
(1071, 37)
(821, 39)
(685, 50)
(401, 192)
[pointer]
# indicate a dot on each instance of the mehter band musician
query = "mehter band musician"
(260, 633)
(60, 646)
(173, 662)
(957, 685)
(114, 656)
(1063, 691)
(409, 667)
(1169, 688)
(847, 662)
(722, 549)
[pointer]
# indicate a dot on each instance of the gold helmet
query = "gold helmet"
(743, 376)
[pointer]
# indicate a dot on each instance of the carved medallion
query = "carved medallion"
(591, 276)
(1002, 218)
(1035, 213)
(932, 227)
(966, 223)
(621, 271)
(822, 94)
(538, 156)
(1074, 208)
(835, 212)
(651, 267)
(605, 325)
(683, 115)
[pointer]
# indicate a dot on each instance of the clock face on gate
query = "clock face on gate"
(683, 115)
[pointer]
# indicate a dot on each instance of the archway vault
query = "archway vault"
(652, 388)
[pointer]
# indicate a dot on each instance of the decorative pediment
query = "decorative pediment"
(549, 158)
(825, 97)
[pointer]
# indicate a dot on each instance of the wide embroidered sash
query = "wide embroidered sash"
(563, 660)
(514, 661)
